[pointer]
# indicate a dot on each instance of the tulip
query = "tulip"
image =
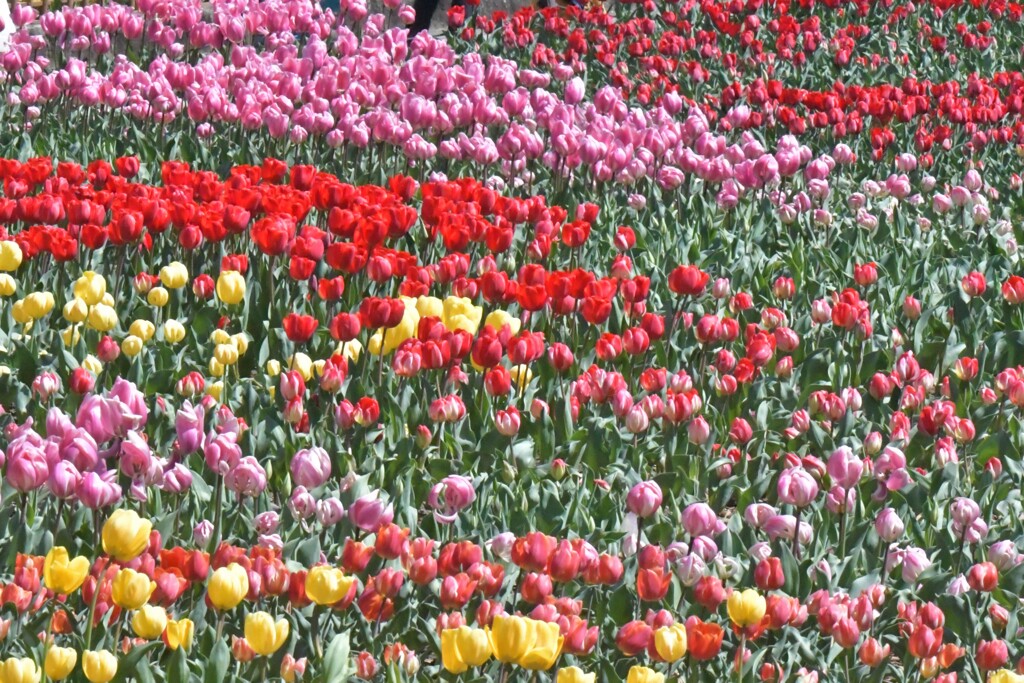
(463, 648)
(19, 670)
(644, 499)
(228, 586)
(572, 674)
(179, 634)
(174, 275)
(60, 662)
(62, 574)
(10, 255)
(670, 642)
(99, 666)
(149, 622)
(746, 608)
(265, 636)
(126, 535)
(131, 590)
(327, 585)
(545, 647)
(641, 674)
(231, 287)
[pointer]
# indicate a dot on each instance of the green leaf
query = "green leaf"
(217, 664)
(336, 660)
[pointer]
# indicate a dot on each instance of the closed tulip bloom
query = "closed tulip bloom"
(39, 304)
(100, 666)
(149, 622)
(326, 585)
(76, 311)
(10, 255)
(545, 648)
(641, 674)
(228, 586)
(464, 647)
(158, 296)
(64, 575)
(102, 318)
(746, 608)
(131, 590)
(1005, 676)
(174, 275)
(179, 634)
(174, 332)
(226, 354)
(143, 329)
(126, 535)
(265, 636)
(8, 285)
(90, 287)
(231, 287)
(60, 662)
(510, 637)
(19, 670)
(574, 674)
(670, 642)
(131, 346)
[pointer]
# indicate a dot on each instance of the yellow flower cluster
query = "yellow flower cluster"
(526, 642)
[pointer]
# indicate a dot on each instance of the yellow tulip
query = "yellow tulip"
(107, 300)
(520, 378)
(39, 304)
(510, 637)
(461, 314)
(8, 285)
(216, 368)
(63, 574)
(429, 307)
(318, 367)
(1005, 676)
(100, 666)
(76, 311)
(102, 318)
(174, 275)
(60, 662)
(301, 363)
(131, 346)
(226, 354)
(464, 647)
(93, 364)
(90, 287)
(746, 608)
(265, 636)
(545, 647)
(126, 535)
(641, 674)
(219, 336)
(179, 634)
(326, 585)
(215, 389)
(131, 589)
(273, 367)
(231, 287)
(174, 332)
(149, 622)
(228, 586)
(20, 313)
(71, 335)
(19, 670)
(670, 642)
(498, 319)
(574, 674)
(351, 350)
(10, 255)
(143, 329)
(158, 297)
(241, 342)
